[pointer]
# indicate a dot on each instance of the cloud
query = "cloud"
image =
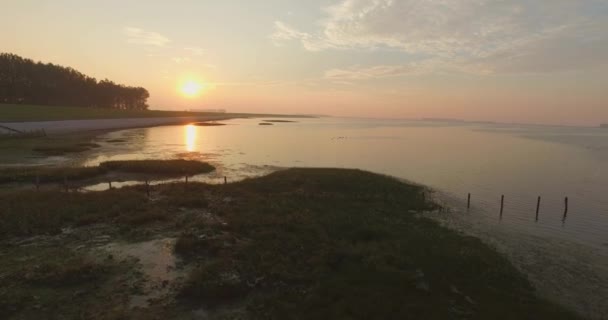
(195, 51)
(373, 72)
(284, 32)
(147, 38)
(485, 35)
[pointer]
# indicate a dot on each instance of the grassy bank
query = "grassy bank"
(155, 168)
(297, 244)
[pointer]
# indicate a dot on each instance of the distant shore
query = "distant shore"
(71, 126)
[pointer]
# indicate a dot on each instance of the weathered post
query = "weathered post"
(225, 180)
(109, 184)
(565, 209)
(469, 201)
(537, 208)
(186, 179)
(502, 204)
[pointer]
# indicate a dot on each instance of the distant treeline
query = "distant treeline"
(23, 81)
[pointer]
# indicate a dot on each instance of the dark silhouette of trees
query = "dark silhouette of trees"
(23, 81)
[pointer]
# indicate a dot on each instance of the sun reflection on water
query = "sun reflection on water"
(190, 137)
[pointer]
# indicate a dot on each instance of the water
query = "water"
(521, 162)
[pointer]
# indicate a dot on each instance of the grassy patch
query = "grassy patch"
(280, 121)
(265, 124)
(15, 150)
(209, 124)
(170, 167)
(47, 174)
(63, 149)
(30, 213)
(59, 174)
(37, 282)
(335, 244)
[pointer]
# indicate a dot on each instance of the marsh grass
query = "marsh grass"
(337, 244)
(50, 281)
(305, 244)
(59, 174)
(58, 150)
(170, 167)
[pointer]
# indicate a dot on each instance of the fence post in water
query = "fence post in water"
(186, 179)
(502, 205)
(225, 180)
(537, 208)
(565, 209)
(469, 202)
(109, 184)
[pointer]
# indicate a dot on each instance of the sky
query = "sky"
(542, 61)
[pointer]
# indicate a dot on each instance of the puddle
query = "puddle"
(157, 263)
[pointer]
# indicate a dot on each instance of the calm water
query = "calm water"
(521, 162)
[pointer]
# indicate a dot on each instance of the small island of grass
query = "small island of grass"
(209, 124)
(265, 124)
(147, 168)
(280, 121)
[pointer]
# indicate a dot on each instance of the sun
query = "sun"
(191, 88)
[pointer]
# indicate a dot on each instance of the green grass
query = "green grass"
(156, 168)
(302, 244)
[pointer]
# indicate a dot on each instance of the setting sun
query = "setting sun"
(191, 88)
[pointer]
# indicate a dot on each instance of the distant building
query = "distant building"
(208, 110)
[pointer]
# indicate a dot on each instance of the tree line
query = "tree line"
(24, 81)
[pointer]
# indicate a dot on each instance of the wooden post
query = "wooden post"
(225, 180)
(186, 179)
(537, 208)
(469, 202)
(502, 204)
(109, 184)
(565, 209)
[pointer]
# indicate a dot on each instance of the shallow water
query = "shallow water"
(521, 162)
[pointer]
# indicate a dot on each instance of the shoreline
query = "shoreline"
(73, 126)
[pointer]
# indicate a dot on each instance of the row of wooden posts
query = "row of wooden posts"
(146, 182)
(502, 206)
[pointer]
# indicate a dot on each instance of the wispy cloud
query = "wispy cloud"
(195, 51)
(366, 73)
(147, 38)
(485, 35)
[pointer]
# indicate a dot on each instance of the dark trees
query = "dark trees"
(23, 81)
